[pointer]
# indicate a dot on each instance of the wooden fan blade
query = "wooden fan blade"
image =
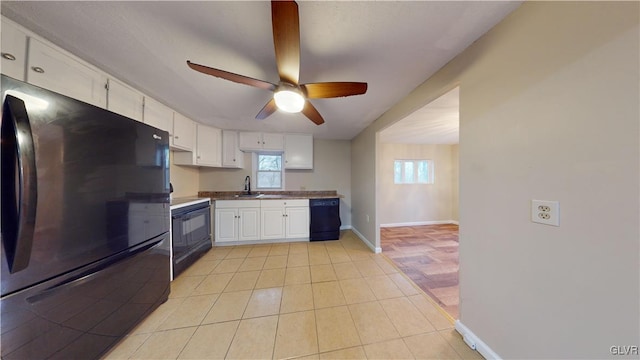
(286, 39)
(333, 89)
(268, 109)
(232, 77)
(312, 113)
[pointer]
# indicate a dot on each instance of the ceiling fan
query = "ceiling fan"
(289, 95)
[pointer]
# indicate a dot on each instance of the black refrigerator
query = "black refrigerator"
(85, 215)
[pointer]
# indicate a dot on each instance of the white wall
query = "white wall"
(455, 174)
(549, 109)
(331, 171)
(416, 203)
(185, 180)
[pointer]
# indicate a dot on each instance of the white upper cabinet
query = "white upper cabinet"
(158, 115)
(208, 146)
(208, 151)
(272, 141)
(298, 151)
(14, 50)
(232, 157)
(256, 141)
(55, 70)
(249, 141)
(124, 100)
(183, 133)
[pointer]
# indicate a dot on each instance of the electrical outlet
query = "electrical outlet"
(367, 218)
(545, 212)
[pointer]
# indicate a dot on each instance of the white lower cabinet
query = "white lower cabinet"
(285, 219)
(237, 220)
(272, 223)
(297, 222)
(258, 220)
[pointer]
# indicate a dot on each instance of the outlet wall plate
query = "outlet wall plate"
(545, 212)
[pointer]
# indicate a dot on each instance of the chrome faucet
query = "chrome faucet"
(247, 185)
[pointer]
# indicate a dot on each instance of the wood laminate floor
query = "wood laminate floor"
(428, 255)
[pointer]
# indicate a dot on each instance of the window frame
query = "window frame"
(255, 171)
(415, 181)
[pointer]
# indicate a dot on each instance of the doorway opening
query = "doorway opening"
(418, 205)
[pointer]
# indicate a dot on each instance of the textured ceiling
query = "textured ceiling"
(394, 46)
(435, 123)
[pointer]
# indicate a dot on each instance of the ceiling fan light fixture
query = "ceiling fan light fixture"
(289, 100)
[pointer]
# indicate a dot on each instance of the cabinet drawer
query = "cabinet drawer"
(235, 204)
(284, 203)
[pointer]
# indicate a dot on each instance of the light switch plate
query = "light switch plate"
(545, 212)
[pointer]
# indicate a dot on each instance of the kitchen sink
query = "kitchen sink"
(255, 196)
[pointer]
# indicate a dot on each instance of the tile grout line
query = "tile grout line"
(352, 256)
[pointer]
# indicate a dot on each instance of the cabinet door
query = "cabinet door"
(226, 225)
(249, 224)
(54, 70)
(231, 155)
(124, 100)
(272, 223)
(14, 50)
(272, 142)
(208, 145)
(297, 225)
(298, 151)
(250, 141)
(158, 115)
(184, 130)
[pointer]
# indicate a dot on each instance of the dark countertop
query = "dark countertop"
(269, 195)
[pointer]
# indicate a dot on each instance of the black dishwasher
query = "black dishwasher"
(325, 219)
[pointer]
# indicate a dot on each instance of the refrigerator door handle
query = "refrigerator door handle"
(19, 200)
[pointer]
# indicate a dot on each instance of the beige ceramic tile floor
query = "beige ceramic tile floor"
(319, 300)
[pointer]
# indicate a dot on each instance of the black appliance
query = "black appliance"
(85, 224)
(191, 234)
(325, 219)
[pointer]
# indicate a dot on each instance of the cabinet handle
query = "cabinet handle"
(198, 156)
(8, 56)
(37, 69)
(263, 143)
(177, 137)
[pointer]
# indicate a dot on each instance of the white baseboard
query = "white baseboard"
(373, 248)
(418, 223)
(475, 343)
